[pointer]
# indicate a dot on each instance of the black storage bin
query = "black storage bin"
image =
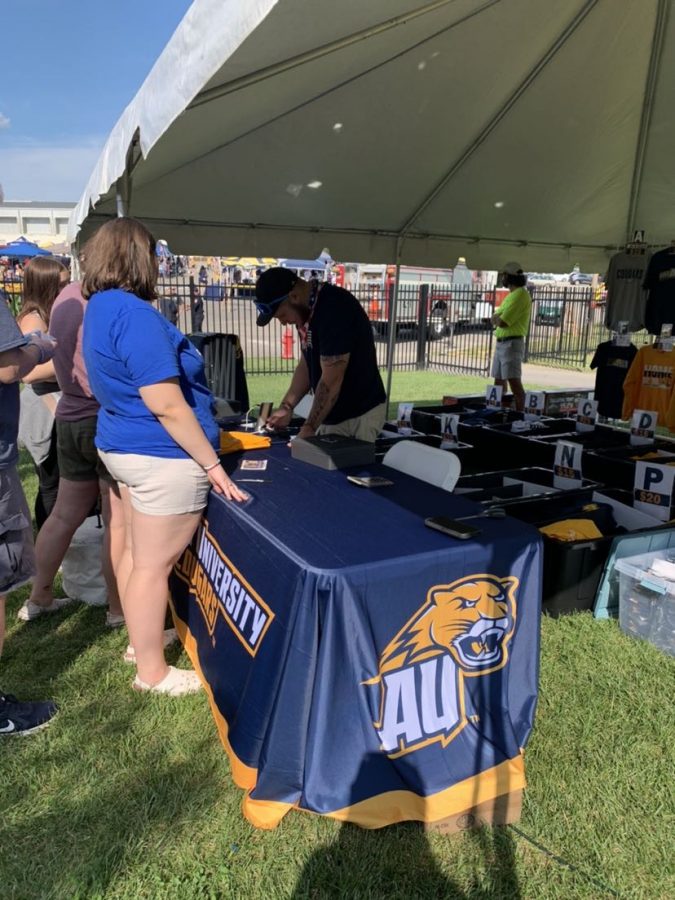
(491, 488)
(513, 448)
(427, 419)
(572, 570)
(618, 464)
(542, 451)
(564, 403)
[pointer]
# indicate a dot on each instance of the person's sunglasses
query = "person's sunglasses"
(268, 309)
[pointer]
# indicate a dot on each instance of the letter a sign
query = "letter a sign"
(493, 395)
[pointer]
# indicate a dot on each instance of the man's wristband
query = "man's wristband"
(212, 466)
(286, 405)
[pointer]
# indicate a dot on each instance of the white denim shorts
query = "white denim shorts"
(508, 359)
(159, 486)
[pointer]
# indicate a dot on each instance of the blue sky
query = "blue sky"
(69, 70)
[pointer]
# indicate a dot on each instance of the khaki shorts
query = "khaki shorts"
(159, 486)
(364, 428)
(508, 359)
(76, 451)
(17, 557)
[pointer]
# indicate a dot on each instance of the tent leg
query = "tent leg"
(391, 346)
(119, 200)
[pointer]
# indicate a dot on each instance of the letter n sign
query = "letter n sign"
(567, 465)
(653, 491)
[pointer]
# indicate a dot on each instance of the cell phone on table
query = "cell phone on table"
(369, 481)
(449, 526)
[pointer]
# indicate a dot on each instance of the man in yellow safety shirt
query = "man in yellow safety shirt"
(511, 321)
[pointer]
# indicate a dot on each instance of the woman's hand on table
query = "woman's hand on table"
(223, 484)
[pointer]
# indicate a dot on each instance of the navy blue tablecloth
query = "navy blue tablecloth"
(359, 664)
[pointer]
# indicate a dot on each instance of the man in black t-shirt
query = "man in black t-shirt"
(338, 363)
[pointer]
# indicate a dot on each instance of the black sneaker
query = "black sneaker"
(24, 718)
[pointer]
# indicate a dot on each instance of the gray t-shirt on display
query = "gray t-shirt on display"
(626, 298)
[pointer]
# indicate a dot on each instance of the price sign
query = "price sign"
(567, 465)
(493, 395)
(534, 404)
(642, 427)
(587, 414)
(403, 419)
(653, 489)
(449, 431)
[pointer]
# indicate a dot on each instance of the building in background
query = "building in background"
(44, 223)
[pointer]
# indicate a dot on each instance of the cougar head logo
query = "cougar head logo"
(472, 619)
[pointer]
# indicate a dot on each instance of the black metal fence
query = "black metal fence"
(441, 328)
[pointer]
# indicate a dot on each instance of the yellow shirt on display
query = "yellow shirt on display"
(515, 311)
(649, 383)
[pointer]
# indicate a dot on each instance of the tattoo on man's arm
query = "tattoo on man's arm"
(324, 400)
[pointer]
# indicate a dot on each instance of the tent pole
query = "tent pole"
(119, 200)
(391, 346)
(660, 27)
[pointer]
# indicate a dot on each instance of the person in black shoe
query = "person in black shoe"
(338, 362)
(24, 718)
(19, 355)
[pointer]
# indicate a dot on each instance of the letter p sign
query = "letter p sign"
(653, 491)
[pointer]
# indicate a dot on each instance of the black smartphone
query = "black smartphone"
(450, 526)
(369, 481)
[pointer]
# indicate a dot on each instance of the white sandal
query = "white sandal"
(30, 610)
(170, 637)
(176, 683)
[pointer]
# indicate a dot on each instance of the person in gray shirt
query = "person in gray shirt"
(19, 354)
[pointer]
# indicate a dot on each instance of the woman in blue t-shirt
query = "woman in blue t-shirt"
(156, 434)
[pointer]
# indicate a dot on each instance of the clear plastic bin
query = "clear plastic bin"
(647, 600)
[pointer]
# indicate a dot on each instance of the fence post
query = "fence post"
(391, 345)
(423, 312)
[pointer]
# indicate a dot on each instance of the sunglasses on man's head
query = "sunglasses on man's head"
(266, 309)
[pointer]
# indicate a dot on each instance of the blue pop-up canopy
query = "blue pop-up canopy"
(22, 249)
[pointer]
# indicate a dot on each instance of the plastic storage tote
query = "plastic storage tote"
(647, 598)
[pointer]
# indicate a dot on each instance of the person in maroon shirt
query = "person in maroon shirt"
(82, 475)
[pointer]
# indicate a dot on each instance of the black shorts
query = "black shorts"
(76, 451)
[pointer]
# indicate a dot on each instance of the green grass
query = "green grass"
(129, 796)
(425, 388)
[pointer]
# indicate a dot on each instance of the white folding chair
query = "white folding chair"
(435, 466)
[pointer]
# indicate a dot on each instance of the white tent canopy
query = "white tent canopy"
(491, 129)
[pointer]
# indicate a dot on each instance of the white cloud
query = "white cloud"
(50, 173)
(4, 121)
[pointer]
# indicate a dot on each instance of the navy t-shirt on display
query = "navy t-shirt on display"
(339, 325)
(612, 363)
(128, 345)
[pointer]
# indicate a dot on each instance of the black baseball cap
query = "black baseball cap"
(271, 289)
